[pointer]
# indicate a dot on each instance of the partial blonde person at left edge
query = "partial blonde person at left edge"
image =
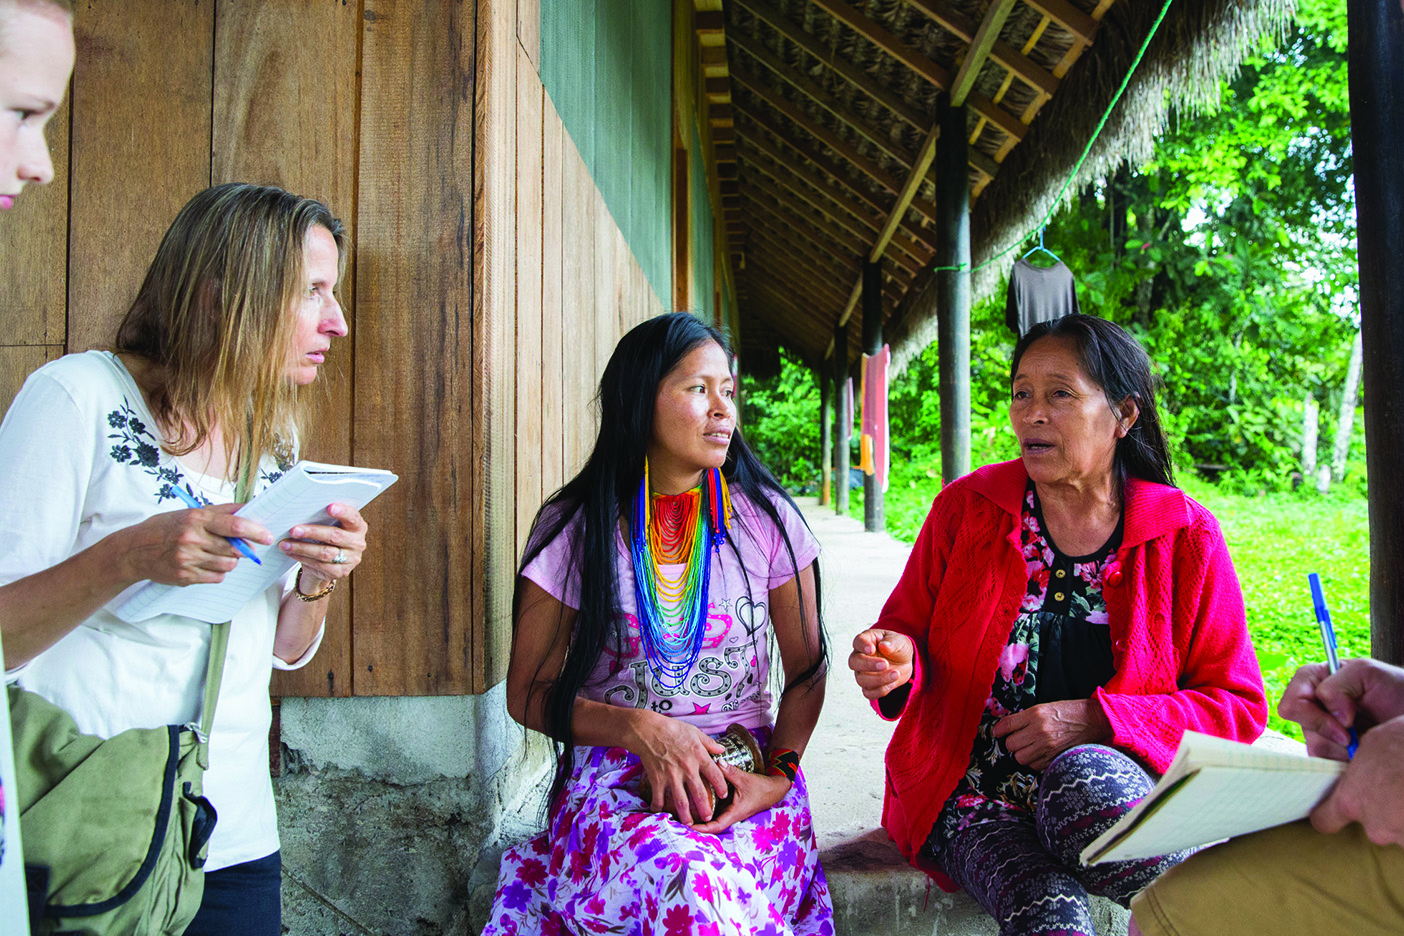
(200, 391)
(36, 60)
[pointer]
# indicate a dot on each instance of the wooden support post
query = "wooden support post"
(842, 424)
(826, 435)
(1377, 126)
(872, 344)
(953, 293)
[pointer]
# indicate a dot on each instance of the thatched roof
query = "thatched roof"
(829, 103)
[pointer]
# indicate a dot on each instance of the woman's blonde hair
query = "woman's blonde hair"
(214, 320)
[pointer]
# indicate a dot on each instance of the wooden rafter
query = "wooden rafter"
(888, 181)
(1008, 57)
(793, 271)
(801, 307)
(825, 254)
(865, 227)
(1082, 26)
(837, 216)
(859, 125)
(792, 219)
(881, 37)
(840, 237)
(918, 250)
(980, 46)
(844, 69)
(769, 228)
(817, 130)
(877, 34)
(826, 165)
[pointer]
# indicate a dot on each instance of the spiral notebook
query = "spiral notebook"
(1216, 789)
(300, 496)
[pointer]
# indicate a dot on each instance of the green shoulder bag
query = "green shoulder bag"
(115, 831)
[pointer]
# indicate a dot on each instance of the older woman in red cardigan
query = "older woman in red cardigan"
(1062, 620)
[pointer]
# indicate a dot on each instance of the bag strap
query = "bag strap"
(214, 675)
(219, 649)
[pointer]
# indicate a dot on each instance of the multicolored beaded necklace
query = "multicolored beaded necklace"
(672, 610)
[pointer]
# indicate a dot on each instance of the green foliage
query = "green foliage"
(780, 419)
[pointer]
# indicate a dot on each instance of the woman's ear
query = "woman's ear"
(1127, 414)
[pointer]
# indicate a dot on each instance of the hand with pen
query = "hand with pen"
(187, 547)
(1369, 696)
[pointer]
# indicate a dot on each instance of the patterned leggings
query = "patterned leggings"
(1026, 873)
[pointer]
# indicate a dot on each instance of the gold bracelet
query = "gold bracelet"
(315, 596)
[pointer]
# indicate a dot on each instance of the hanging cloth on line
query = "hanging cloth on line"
(876, 445)
(1038, 294)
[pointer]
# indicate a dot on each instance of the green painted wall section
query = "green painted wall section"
(703, 236)
(607, 66)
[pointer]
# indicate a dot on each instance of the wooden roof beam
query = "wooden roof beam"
(826, 136)
(841, 67)
(909, 189)
(777, 235)
(818, 95)
(770, 229)
(795, 273)
(1069, 17)
(1027, 70)
(854, 224)
(879, 36)
(860, 232)
(979, 51)
(791, 176)
(822, 255)
(808, 312)
(826, 165)
(834, 233)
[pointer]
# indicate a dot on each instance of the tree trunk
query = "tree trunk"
(1347, 421)
(1310, 422)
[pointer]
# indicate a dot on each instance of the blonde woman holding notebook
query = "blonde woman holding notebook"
(234, 318)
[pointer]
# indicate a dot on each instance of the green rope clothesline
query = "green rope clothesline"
(1082, 159)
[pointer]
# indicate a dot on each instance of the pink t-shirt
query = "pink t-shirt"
(729, 681)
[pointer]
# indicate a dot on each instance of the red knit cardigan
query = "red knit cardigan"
(1180, 642)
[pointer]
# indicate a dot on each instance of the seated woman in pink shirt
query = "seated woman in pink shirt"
(1063, 619)
(657, 588)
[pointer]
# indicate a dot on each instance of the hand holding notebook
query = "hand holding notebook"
(1216, 789)
(300, 497)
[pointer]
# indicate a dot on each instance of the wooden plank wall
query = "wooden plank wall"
(486, 285)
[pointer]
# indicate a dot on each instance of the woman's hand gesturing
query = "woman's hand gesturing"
(677, 759)
(328, 552)
(881, 661)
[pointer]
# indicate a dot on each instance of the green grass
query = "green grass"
(1274, 539)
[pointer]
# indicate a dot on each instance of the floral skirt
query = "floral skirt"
(608, 865)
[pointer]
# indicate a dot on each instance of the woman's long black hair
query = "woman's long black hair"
(601, 494)
(1116, 362)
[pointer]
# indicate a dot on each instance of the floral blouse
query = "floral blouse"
(1059, 648)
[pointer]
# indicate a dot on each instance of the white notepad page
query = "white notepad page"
(1216, 789)
(300, 497)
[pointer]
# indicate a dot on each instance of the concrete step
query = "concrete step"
(876, 893)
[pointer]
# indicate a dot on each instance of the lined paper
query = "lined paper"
(300, 497)
(1216, 789)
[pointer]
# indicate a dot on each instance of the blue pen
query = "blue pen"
(234, 541)
(1328, 637)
